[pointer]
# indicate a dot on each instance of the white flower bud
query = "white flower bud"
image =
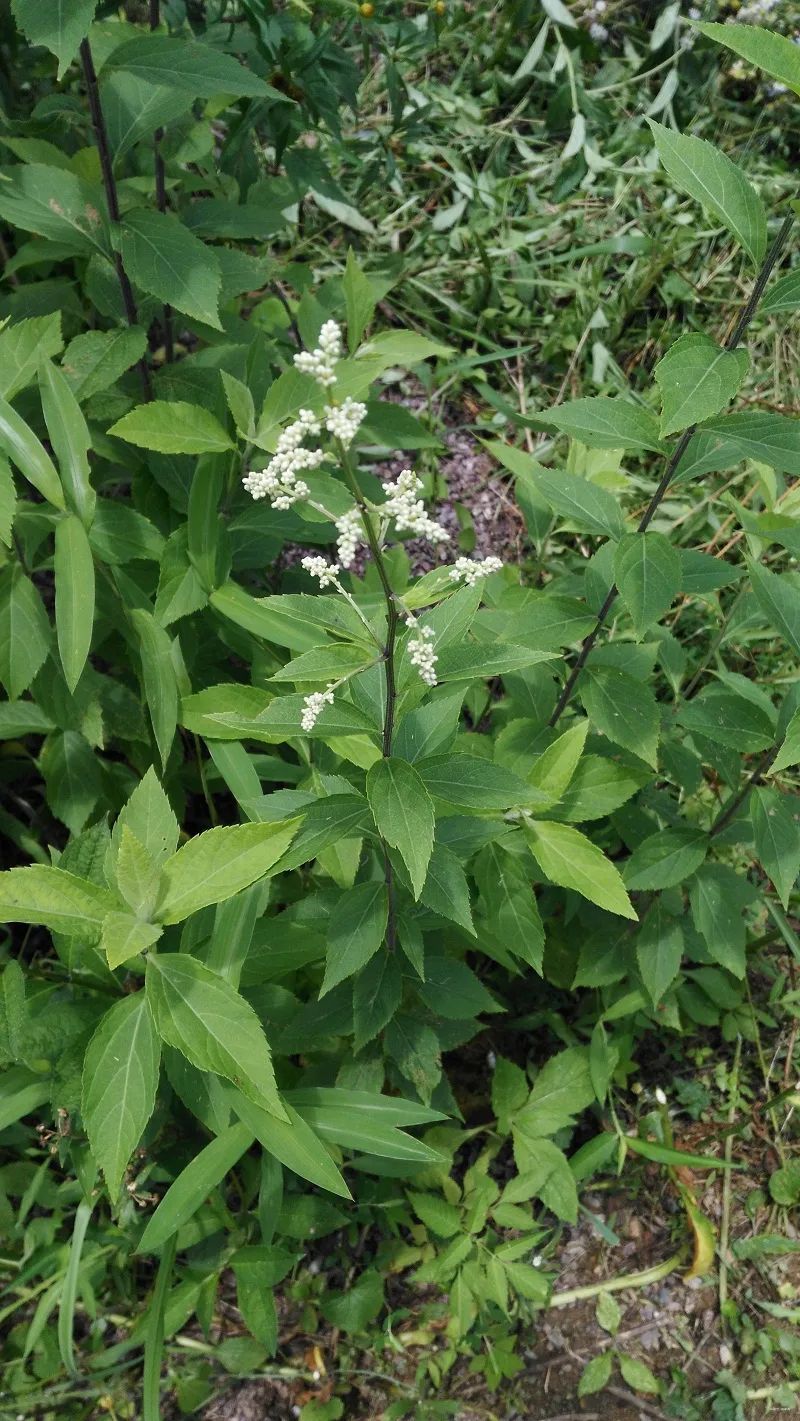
(422, 655)
(321, 362)
(342, 421)
(464, 569)
(327, 573)
(314, 705)
(350, 528)
(405, 506)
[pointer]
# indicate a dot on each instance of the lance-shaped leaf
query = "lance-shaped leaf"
(74, 573)
(164, 258)
(215, 865)
(605, 422)
(291, 1141)
(768, 50)
(124, 937)
(647, 569)
(19, 442)
(212, 1025)
(193, 1185)
(158, 678)
(571, 860)
(172, 427)
(779, 600)
(120, 1077)
(24, 631)
(709, 176)
(70, 438)
(56, 899)
(356, 930)
(697, 379)
(776, 831)
(403, 813)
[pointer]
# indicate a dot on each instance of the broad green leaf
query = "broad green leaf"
(467, 782)
(789, 753)
(476, 661)
(512, 916)
(60, 25)
(779, 600)
(193, 1185)
(137, 874)
(403, 813)
(772, 439)
(377, 994)
(325, 663)
(785, 294)
(70, 438)
(120, 1077)
(201, 1015)
(213, 866)
(647, 570)
(583, 503)
(436, 1214)
(598, 787)
(24, 450)
(56, 899)
(659, 949)
(18, 718)
(360, 300)
(665, 859)
(623, 708)
(357, 1307)
(697, 379)
(768, 50)
(72, 775)
(95, 359)
(562, 1089)
(555, 767)
(636, 1372)
(8, 502)
(158, 678)
(571, 860)
(291, 1141)
(726, 718)
(718, 897)
(124, 937)
(22, 346)
(356, 929)
(446, 889)
(545, 1175)
(172, 427)
(452, 990)
(149, 817)
(57, 205)
(24, 631)
(596, 1374)
(776, 831)
(201, 69)
(164, 258)
(709, 176)
(74, 574)
(604, 422)
(403, 348)
(134, 108)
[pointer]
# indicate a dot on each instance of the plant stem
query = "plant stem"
(617, 1285)
(112, 200)
(161, 193)
(730, 343)
(388, 656)
(734, 804)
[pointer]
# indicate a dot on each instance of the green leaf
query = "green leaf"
(355, 1309)
(608, 1313)
(624, 709)
(213, 866)
(583, 503)
(477, 662)
(24, 631)
(31, 458)
(697, 379)
(403, 813)
(377, 994)
(785, 294)
(22, 346)
(57, 205)
(767, 49)
(571, 860)
(60, 25)
(359, 300)
(647, 570)
(772, 439)
(512, 914)
(216, 1029)
(149, 817)
(325, 663)
(452, 990)
(158, 677)
(133, 108)
(72, 775)
(446, 889)
(54, 898)
(70, 438)
(777, 838)
(165, 259)
(562, 1089)
(659, 949)
(120, 1077)
(665, 859)
(709, 176)
(8, 502)
(172, 427)
(436, 1214)
(779, 600)
(603, 422)
(74, 574)
(546, 1175)
(596, 1374)
(553, 771)
(95, 359)
(356, 929)
(726, 718)
(789, 753)
(291, 1141)
(201, 69)
(124, 937)
(718, 896)
(638, 1375)
(193, 1185)
(467, 782)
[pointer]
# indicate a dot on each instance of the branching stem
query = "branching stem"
(161, 192)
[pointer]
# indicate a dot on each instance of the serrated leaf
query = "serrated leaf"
(776, 832)
(624, 709)
(581, 501)
(596, 1374)
(709, 176)
(571, 860)
(789, 753)
(767, 49)
(172, 427)
(60, 25)
(605, 422)
(213, 866)
(8, 502)
(213, 1026)
(201, 69)
(124, 937)
(56, 899)
(436, 1214)
(659, 949)
(638, 1375)
(95, 359)
(120, 1078)
(356, 929)
(74, 575)
(377, 993)
(403, 813)
(165, 259)
(647, 571)
(24, 631)
(697, 379)
(779, 600)
(665, 859)
(22, 346)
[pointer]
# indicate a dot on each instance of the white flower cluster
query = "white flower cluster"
(314, 705)
(279, 481)
(597, 30)
(422, 655)
(342, 421)
(350, 529)
(757, 9)
(326, 572)
(321, 363)
(405, 506)
(464, 569)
